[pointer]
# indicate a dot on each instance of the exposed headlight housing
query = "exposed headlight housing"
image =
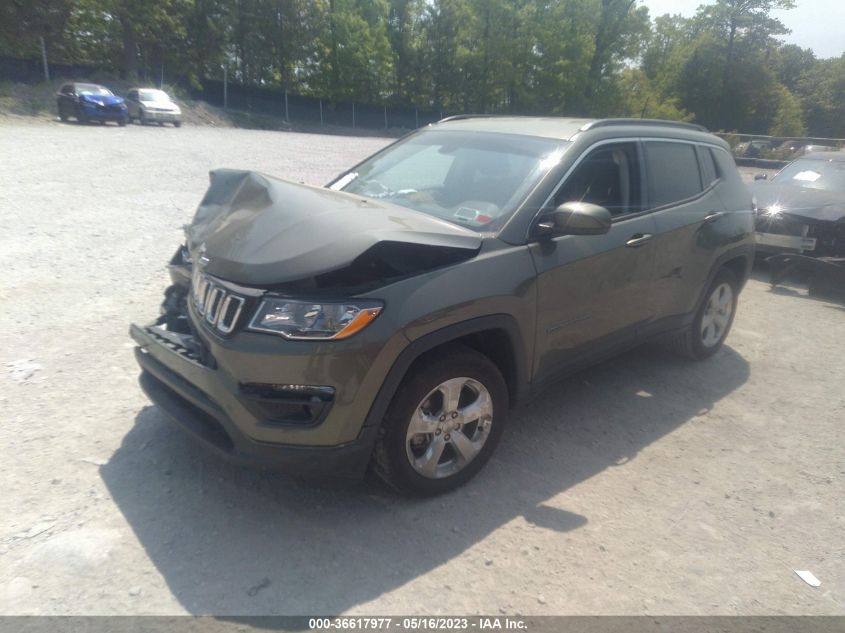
(313, 320)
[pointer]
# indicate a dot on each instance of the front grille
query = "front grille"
(220, 308)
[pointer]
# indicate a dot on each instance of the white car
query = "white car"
(148, 105)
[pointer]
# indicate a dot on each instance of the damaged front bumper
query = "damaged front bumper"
(786, 232)
(174, 378)
(267, 418)
(774, 243)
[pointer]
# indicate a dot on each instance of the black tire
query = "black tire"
(690, 342)
(177, 124)
(142, 118)
(80, 117)
(62, 115)
(122, 123)
(391, 458)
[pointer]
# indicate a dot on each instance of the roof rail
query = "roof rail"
(614, 122)
(459, 117)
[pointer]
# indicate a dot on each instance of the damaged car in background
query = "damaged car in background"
(392, 318)
(800, 221)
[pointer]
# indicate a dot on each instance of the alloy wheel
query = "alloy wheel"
(449, 428)
(717, 315)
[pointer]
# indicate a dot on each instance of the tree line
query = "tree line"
(725, 67)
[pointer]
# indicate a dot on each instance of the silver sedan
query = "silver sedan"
(148, 105)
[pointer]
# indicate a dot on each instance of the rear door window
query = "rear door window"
(673, 172)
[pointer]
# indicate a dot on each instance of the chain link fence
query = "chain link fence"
(310, 110)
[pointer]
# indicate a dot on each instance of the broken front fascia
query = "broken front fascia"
(789, 210)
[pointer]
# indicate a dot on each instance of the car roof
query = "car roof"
(549, 127)
(566, 128)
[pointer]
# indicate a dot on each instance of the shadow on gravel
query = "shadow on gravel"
(231, 541)
(799, 286)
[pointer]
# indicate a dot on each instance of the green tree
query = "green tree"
(24, 22)
(748, 31)
(788, 118)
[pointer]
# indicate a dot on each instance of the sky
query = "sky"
(816, 24)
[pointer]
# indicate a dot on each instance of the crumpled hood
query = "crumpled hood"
(258, 230)
(104, 99)
(812, 204)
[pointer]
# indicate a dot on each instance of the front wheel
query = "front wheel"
(713, 320)
(443, 423)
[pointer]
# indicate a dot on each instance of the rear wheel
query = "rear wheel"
(443, 423)
(177, 124)
(713, 320)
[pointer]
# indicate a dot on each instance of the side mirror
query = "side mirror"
(575, 218)
(761, 177)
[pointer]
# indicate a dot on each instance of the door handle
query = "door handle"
(638, 240)
(713, 216)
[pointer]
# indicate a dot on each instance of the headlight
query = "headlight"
(310, 320)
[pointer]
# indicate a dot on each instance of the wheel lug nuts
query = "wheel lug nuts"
(447, 437)
(454, 414)
(443, 417)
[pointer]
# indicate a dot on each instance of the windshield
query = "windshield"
(153, 95)
(472, 179)
(814, 173)
(92, 89)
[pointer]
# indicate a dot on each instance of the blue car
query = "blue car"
(90, 102)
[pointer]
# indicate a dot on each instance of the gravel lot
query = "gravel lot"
(647, 485)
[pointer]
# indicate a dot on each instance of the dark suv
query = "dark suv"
(394, 317)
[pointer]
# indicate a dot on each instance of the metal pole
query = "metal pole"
(321, 113)
(225, 88)
(44, 59)
(385, 117)
(287, 113)
(353, 115)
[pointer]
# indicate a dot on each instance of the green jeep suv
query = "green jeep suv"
(393, 317)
